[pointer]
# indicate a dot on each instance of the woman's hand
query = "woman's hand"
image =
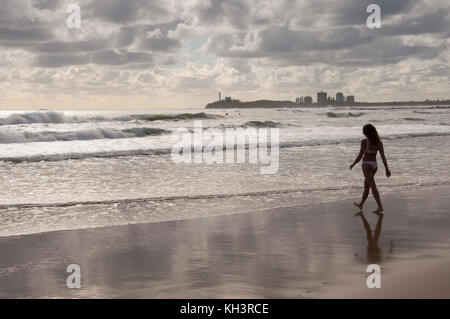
(388, 172)
(351, 166)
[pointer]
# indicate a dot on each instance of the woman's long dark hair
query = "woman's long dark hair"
(371, 133)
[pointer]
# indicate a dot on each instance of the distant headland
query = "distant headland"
(250, 104)
(322, 100)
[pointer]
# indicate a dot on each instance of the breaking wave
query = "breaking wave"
(92, 134)
(255, 124)
(175, 117)
(425, 112)
(51, 117)
(413, 119)
(263, 124)
(167, 151)
(343, 115)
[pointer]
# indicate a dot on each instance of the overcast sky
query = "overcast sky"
(152, 53)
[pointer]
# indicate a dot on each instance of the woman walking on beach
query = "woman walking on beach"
(368, 152)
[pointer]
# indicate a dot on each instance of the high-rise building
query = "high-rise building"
(350, 99)
(322, 98)
(299, 100)
(339, 98)
(307, 100)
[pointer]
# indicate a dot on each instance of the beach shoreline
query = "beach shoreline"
(317, 251)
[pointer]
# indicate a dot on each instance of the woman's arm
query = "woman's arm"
(383, 158)
(360, 155)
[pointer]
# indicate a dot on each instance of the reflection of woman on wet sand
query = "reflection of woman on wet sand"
(373, 250)
(368, 152)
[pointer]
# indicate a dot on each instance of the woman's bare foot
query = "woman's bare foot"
(359, 205)
(360, 213)
(379, 211)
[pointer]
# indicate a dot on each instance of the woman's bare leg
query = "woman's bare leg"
(376, 194)
(365, 194)
(369, 174)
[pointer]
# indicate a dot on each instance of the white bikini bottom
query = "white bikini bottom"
(371, 163)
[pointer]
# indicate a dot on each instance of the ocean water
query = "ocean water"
(72, 170)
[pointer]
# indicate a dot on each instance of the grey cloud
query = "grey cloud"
(339, 13)
(145, 78)
(354, 45)
(117, 11)
(188, 83)
(391, 50)
(124, 12)
(41, 40)
(170, 60)
(36, 34)
(221, 44)
(354, 12)
(275, 41)
(106, 57)
(59, 47)
(241, 65)
(288, 32)
(21, 15)
(113, 50)
(125, 37)
(382, 51)
(285, 40)
(159, 44)
(112, 57)
(439, 70)
(92, 44)
(128, 35)
(56, 61)
(430, 22)
(244, 14)
(46, 4)
(41, 78)
(164, 27)
(140, 34)
(305, 49)
(234, 12)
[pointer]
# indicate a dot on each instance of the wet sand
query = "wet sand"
(320, 251)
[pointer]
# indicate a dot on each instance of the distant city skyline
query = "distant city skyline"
(324, 99)
(162, 54)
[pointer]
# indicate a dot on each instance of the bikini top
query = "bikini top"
(370, 151)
